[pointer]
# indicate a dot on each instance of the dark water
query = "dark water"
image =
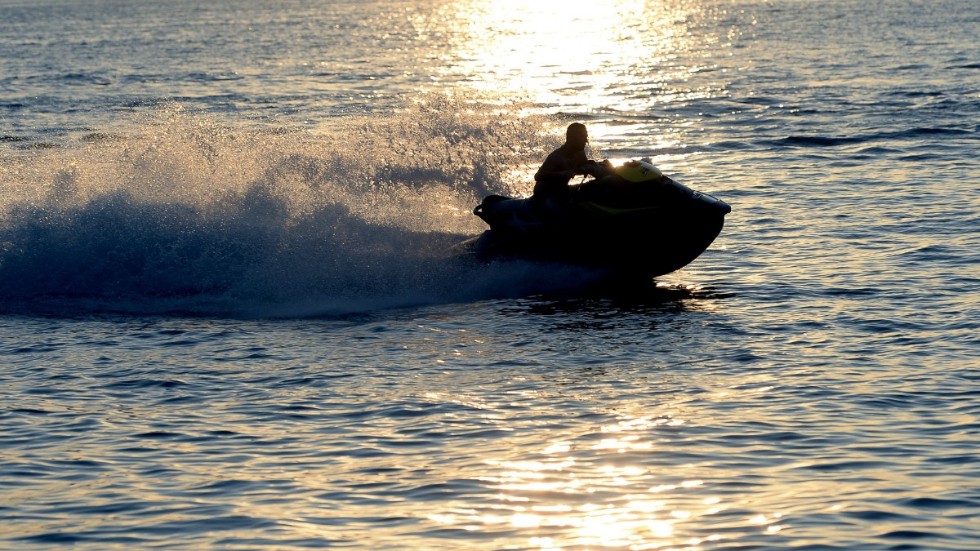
(227, 318)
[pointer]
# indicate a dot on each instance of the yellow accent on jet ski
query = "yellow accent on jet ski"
(640, 171)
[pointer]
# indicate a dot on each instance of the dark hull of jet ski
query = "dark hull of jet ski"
(644, 229)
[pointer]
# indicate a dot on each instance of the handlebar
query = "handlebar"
(595, 169)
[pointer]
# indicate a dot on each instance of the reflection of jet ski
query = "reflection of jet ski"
(633, 220)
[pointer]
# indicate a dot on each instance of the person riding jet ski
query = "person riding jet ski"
(631, 220)
(563, 164)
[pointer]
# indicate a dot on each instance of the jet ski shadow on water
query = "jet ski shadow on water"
(630, 221)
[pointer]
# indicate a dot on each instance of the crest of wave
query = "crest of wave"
(184, 212)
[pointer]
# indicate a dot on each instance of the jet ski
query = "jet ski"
(629, 220)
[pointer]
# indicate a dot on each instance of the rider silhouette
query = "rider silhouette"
(551, 180)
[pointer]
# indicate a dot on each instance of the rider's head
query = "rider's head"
(576, 135)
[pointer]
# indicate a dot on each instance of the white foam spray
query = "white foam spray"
(179, 212)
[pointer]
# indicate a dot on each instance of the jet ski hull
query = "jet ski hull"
(644, 229)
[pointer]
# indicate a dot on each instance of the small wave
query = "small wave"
(932, 253)
(930, 131)
(910, 534)
(935, 503)
(98, 78)
(797, 141)
(904, 93)
(817, 141)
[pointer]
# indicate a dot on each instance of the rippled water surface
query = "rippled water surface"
(228, 319)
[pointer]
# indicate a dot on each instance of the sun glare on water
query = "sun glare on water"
(627, 61)
(567, 54)
(599, 494)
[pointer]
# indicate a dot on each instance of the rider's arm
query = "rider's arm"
(554, 169)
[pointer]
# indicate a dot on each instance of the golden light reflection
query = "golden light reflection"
(601, 493)
(563, 53)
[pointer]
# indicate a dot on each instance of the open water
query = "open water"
(227, 320)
